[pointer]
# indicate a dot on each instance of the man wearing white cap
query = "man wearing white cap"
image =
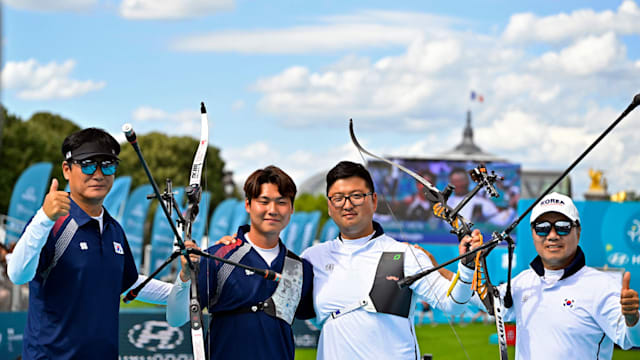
(562, 308)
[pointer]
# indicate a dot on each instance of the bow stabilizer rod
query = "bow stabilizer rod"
(634, 103)
(508, 300)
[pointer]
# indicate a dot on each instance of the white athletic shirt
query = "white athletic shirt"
(578, 317)
(344, 274)
(268, 255)
(99, 220)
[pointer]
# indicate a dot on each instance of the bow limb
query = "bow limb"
(460, 226)
(194, 192)
(198, 160)
(434, 194)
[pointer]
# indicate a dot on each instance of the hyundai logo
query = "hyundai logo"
(155, 335)
(618, 259)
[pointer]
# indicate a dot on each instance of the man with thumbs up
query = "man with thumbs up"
(564, 309)
(76, 259)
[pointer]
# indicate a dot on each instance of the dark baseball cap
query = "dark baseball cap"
(92, 149)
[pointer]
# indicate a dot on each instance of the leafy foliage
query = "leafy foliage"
(309, 202)
(39, 139)
(170, 157)
(25, 143)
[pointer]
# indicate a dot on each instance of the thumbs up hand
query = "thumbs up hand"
(56, 203)
(629, 301)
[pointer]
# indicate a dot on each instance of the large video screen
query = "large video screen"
(406, 215)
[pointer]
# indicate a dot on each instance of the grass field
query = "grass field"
(441, 342)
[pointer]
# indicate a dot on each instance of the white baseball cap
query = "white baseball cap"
(555, 202)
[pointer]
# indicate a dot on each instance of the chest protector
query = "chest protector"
(385, 295)
(285, 299)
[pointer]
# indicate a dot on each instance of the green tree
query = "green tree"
(38, 139)
(171, 157)
(308, 202)
(25, 143)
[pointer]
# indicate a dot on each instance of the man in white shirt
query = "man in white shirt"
(562, 308)
(365, 315)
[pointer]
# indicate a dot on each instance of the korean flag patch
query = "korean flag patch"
(118, 248)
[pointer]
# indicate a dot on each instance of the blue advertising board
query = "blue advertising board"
(117, 197)
(133, 219)
(143, 335)
(26, 198)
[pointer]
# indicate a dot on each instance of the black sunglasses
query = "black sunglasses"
(563, 227)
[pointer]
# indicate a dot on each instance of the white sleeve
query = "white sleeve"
(23, 262)
(633, 334)
(155, 292)
(608, 314)
(434, 287)
(178, 303)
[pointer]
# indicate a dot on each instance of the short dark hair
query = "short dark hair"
(269, 175)
(89, 135)
(347, 169)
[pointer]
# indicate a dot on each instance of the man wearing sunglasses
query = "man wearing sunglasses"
(77, 260)
(562, 308)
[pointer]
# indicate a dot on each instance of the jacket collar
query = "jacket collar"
(577, 264)
(377, 228)
(244, 229)
(81, 217)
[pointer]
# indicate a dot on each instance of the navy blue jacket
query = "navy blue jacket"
(249, 335)
(73, 313)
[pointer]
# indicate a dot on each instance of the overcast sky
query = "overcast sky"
(281, 79)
